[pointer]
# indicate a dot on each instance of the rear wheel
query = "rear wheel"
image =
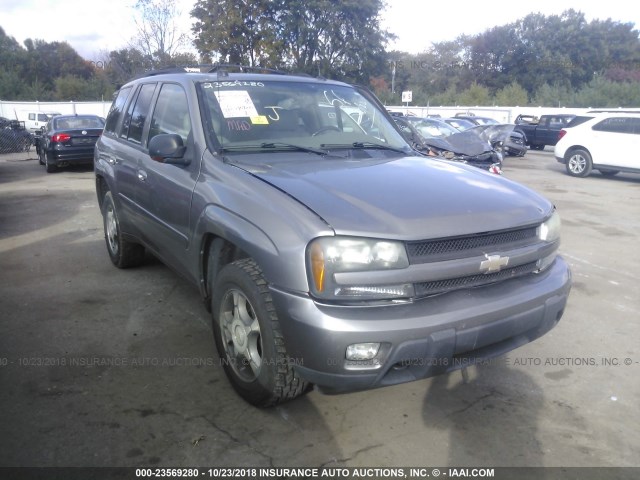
(578, 163)
(123, 254)
(41, 157)
(50, 167)
(248, 337)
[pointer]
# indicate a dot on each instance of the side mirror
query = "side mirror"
(168, 148)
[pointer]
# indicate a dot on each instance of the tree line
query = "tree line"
(542, 60)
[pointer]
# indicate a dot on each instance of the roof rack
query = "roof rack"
(220, 68)
(223, 67)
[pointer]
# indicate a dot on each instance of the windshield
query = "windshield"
(486, 121)
(429, 128)
(74, 123)
(246, 115)
(460, 124)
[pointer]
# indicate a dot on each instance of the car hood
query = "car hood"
(467, 143)
(406, 198)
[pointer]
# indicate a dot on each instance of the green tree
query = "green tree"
(338, 39)
(235, 31)
(563, 50)
(601, 92)
(475, 95)
(12, 60)
(11, 85)
(555, 95)
(448, 97)
(48, 61)
(319, 37)
(124, 64)
(512, 94)
(70, 87)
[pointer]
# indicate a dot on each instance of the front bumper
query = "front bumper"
(421, 339)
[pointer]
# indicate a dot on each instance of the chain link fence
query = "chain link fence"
(14, 137)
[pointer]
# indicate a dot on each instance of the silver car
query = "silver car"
(327, 251)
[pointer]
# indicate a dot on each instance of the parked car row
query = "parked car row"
(513, 144)
(435, 137)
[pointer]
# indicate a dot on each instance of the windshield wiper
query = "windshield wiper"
(359, 145)
(275, 145)
(299, 148)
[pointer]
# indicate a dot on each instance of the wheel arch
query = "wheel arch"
(572, 149)
(102, 187)
(224, 238)
(215, 253)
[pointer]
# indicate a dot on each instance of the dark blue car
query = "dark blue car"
(69, 140)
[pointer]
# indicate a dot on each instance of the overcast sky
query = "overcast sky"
(95, 27)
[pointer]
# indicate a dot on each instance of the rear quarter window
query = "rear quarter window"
(137, 113)
(116, 109)
(617, 125)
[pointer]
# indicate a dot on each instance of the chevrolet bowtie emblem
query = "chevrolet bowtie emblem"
(493, 263)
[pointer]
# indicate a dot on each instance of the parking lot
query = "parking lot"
(106, 367)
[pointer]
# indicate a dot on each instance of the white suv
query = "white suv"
(608, 142)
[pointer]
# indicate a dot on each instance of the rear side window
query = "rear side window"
(578, 120)
(171, 114)
(116, 110)
(617, 125)
(559, 122)
(137, 113)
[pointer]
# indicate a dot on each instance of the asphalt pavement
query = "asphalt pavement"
(105, 367)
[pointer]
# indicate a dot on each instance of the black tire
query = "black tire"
(609, 173)
(41, 157)
(248, 337)
(537, 147)
(123, 254)
(51, 168)
(578, 163)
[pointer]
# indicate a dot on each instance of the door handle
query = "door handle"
(142, 175)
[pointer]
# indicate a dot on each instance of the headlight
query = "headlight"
(327, 256)
(549, 231)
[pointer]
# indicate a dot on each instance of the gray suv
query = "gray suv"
(328, 251)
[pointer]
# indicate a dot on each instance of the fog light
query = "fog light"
(362, 351)
(545, 262)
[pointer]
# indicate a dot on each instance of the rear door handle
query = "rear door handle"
(142, 175)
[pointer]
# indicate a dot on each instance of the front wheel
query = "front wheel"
(123, 254)
(578, 163)
(248, 337)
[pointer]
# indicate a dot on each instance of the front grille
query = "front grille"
(439, 286)
(461, 247)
